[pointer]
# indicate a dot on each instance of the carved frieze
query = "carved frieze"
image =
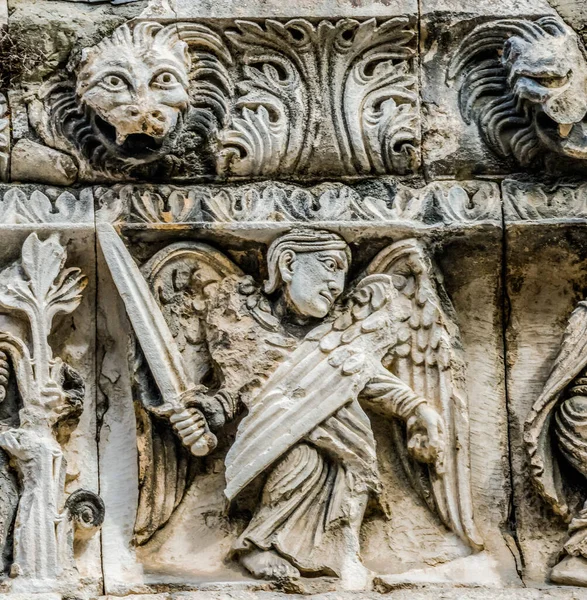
(327, 99)
(374, 202)
(292, 298)
(279, 99)
(559, 201)
(27, 204)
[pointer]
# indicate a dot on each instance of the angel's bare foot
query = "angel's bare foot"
(267, 564)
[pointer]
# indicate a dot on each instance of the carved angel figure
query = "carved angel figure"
(557, 427)
(525, 85)
(135, 95)
(302, 358)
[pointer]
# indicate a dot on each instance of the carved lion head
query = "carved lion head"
(145, 102)
(525, 84)
(134, 86)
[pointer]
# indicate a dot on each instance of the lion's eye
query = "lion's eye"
(165, 79)
(554, 81)
(114, 83)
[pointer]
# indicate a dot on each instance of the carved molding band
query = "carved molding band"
(376, 202)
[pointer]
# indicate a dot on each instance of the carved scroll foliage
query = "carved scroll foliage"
(333, 97)
(448, 203)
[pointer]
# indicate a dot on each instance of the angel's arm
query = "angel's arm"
(389, 395)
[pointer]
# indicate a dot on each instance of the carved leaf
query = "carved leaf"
(336, 97)
(41, 289)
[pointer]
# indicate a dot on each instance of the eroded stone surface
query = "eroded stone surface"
(329, 253)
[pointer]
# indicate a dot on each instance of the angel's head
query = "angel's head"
(134, 86)
(310, 267)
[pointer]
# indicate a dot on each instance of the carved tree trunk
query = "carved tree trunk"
(41, 468)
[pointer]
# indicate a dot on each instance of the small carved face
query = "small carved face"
(313, 280)
(552, 74)
(135, 87)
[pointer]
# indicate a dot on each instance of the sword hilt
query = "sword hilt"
(188, 401)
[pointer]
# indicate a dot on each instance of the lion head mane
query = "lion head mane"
(525, 85)
(142, 99)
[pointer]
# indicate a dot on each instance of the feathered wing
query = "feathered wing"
(571, 360)
(325, 372)
(182, 277)
(429, 357)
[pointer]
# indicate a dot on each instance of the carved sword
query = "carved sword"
(158, 344)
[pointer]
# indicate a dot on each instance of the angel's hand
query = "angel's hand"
(426, 438)
(191, 426)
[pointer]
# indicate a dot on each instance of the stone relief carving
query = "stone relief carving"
(136, 98)
(523, 83)
(437, 203)
(555, 431)
(332, 98)
(302, 356)
(529, 201)
(20, 205)
(311, 99)
(4, 139)
(51, 394)
(283, 406)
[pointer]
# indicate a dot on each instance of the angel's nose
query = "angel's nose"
(335, 286)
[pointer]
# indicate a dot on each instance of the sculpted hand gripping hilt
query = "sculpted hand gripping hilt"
(180, 394)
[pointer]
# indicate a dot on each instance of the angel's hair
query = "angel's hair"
(300, 240)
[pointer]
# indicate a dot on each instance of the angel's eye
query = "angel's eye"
(330, 264)
(165, 79)
(114, 83)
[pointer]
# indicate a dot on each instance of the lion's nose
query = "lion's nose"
(157, 115)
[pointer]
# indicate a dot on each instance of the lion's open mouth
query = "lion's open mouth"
(569, 140)
(138, 145)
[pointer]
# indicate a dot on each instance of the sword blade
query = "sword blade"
(152, 331)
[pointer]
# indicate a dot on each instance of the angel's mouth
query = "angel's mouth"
(327, 296)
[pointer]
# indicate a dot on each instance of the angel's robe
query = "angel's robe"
(560, 413)
(317, 443)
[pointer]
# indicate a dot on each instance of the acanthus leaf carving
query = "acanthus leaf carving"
(19, 206)
(348, 84)
(449, 203)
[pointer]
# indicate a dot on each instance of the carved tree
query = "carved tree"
(40, 288)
